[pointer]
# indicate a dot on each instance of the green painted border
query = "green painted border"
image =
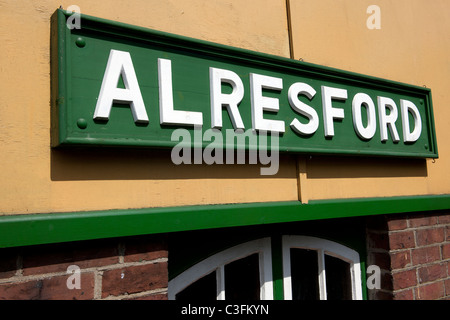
(32, 229)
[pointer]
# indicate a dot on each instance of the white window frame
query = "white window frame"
(217, 262)
(322, 246)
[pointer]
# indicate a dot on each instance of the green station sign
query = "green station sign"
(121, 85)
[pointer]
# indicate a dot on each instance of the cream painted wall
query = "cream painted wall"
(412, 46)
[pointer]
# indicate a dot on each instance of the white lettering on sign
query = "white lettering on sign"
(367, 132)
(120, 65)
(230, 100)
(260, 103)
(167, 113)
(303, 108)
(387, 119)
(406, 108)
(330, 113)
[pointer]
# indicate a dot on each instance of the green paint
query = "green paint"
(79, 59)
(22, 230)
(277, 267)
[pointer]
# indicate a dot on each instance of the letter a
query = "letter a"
(374, 20)
(74, 281)
(120, 64)
(74, 21)
(373, 282)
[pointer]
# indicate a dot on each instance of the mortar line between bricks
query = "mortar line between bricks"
(418, 285)
(22, 278)
(431, 282)
(420, 247)
(136, 295)
(434, 226)
(98, 284)
(417, 266)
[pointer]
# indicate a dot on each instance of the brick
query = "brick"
(158, 296)
(54, 288)
(20, 291)
(144, 249)
(446, 251)
(447, 233)
(401, 240)
(397, 224)
(430, 236)
(444, 219)
(404, 295)
(134, 279)
(447, 287)
(400, 260)
(431, 291)
(56, 258)
(404, 279)
(432, 273)
(425, 255)
(422, 220)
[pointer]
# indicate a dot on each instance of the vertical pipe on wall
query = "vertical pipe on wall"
(300, 160)
(289, 26)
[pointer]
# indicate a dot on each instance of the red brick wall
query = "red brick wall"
(129, 268)
(413, 252)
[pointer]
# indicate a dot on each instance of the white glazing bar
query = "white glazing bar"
(355, 271)
(220, 280)
(265, 271)
(322, 277)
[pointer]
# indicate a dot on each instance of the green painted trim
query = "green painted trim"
(277, 267)
(33, 229)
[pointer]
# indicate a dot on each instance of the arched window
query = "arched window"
(240, 272)
(313, 269)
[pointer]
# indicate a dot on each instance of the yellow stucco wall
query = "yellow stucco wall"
(37, 179)
(412, 46)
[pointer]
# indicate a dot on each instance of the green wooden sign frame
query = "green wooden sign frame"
(336, 112)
